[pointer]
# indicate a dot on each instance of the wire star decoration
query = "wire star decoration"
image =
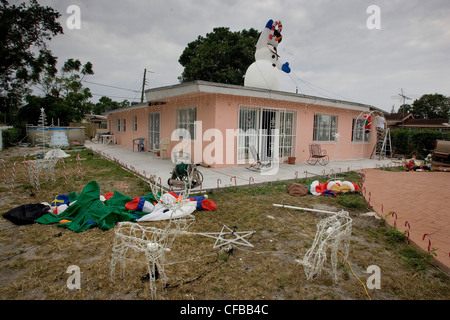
(229, 236)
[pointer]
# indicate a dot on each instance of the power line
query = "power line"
(109, 86)
(310, 85)
(106, 95)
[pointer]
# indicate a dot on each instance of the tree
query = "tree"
(65, 97)
(24, 30)
(107, 104)
(222, 56)
(405, 108)
(432, 106)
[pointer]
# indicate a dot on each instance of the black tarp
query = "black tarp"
(26, 213)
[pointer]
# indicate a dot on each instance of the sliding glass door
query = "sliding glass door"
(265, 129)
(154, 130)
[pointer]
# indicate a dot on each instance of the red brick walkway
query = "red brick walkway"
(420, 199)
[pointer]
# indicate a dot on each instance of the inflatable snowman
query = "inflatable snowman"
(264, 72)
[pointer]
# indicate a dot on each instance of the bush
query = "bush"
(400, 141)
(11, 137)
(416, 142)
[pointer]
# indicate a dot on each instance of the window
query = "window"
(324, 127)
(134, 123)
(248, 132)
(121, 125)
(185, 120)
(287, 133)
(359, 133)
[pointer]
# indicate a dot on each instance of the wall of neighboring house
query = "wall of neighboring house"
(217, 113)
(122, 125)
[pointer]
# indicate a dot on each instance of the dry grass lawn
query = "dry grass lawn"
(34, 258)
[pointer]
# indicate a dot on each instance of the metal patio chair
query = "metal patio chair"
(316, 154)
(259, 164)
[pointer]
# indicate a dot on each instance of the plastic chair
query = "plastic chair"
(159, 148)
(139, 142)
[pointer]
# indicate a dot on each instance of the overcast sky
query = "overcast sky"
(331, 50)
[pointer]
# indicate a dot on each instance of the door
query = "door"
(287, 134)
(266, 129)
(154, 130)
(268, 134)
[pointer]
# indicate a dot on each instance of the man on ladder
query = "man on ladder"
(382, 136)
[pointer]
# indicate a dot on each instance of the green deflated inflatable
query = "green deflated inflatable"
(89, 211)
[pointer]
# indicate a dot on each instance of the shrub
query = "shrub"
(11, 137)
(416, 142)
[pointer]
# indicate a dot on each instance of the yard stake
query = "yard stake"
(250, 180)
(36, 184)
(429, 240)
(79, 167)
(4, 170)
(395, 219)
(13, 175)
(218, 184)
(64, 170)
(407, 232)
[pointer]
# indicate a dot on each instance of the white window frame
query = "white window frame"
(117, 125)
(134, 122)
(325, 132)
(186, 118)
(360, 135)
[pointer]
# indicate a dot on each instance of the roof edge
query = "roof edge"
(220, 88)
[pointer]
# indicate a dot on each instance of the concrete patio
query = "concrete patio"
(146, 163)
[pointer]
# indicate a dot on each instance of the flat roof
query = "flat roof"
(199, 86)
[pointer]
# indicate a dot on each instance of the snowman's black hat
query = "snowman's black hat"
(277, 35)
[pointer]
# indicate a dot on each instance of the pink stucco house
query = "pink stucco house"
(219, 122)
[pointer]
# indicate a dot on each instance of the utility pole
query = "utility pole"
(143, 86)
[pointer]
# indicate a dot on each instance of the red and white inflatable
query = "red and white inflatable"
(332, 187)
